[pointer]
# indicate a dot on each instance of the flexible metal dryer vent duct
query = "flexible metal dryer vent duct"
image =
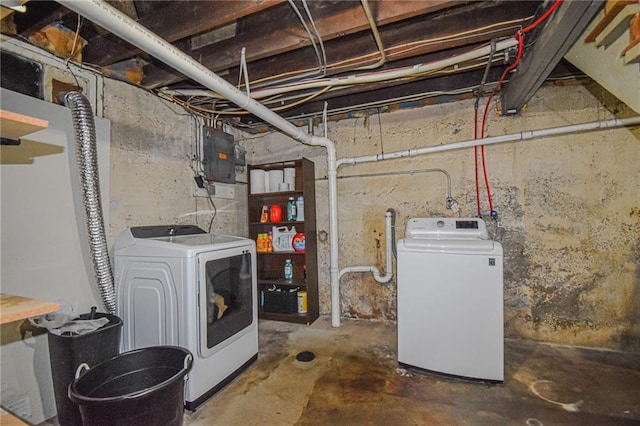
(87, 158)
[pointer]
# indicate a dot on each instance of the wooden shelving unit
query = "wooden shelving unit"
(270, 265)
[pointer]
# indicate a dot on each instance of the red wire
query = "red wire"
(486, 181)
(486, 111)
(544, 16)
(475, 157)
(519, 34)
(484, 164)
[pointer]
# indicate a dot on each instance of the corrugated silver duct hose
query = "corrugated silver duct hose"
(87, 159)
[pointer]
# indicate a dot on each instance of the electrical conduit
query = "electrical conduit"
(121, 25)
(389, 266)
(366, 78)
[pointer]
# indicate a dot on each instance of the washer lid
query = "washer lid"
(449, 245)
(162, 241)
(471, 228)
(165, 231)
(200, 240)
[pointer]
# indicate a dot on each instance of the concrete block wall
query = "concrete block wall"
(152, 144)
(568, 207)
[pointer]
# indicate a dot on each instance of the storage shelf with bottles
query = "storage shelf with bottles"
(270, 265)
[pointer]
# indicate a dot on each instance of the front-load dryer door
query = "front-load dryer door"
(226, 297)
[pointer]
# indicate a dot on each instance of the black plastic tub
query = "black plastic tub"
(66, 353)
(140, 387)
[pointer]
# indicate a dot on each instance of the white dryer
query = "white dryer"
(450, 299)
(178, 285)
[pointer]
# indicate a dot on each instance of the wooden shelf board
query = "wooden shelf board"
(632, 54)
(14, 125)
(8, 419)
(618, 25)
(607, 17)
(15, 308)
(295, 317)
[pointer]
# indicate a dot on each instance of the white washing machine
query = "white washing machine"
(178, 285)
(450, 299)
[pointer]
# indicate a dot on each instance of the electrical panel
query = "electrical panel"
(218, 156)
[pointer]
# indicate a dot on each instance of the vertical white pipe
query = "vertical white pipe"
(124, 27)
(332, 175)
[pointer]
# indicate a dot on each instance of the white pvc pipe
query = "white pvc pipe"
(512, 137)
(389, 266)
(126, 28)
(367, 78)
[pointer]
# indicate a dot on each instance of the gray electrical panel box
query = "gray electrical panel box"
(218, 156)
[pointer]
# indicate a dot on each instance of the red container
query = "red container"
(275, 213)
(298, 242)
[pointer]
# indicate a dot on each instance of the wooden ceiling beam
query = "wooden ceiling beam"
(397, 36)
(40, 14)
(177, 21)
(285, 37)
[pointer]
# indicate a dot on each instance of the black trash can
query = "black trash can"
(140, 387)
(66, 353)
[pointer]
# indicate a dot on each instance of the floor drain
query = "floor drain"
(305, 356)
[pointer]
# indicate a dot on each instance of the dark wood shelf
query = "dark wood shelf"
(281, 282)
(270, 265)
(279, 194)
(282, 253)
(297, 318)
(284, 223)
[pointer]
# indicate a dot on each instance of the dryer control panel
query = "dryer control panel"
(446, 228)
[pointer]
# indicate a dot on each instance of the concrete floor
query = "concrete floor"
(355, 380)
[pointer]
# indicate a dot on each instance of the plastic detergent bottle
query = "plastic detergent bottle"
(288, 269)
(270, 242)
(300, 207)
(261, 243)
(291, 209)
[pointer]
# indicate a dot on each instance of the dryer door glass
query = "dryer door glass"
(226, 299)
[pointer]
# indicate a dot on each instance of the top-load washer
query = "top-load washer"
(178, 285)
(450, 298)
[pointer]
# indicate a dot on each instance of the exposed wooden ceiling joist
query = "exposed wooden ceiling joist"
(215, 32)
(280, 37)
(178, 21)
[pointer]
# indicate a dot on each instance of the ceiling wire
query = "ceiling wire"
(376, 36)
(450, 70)
(73, 52)
(411, 46)
(222, 107)
(319, 37)
(313, 95)
(409, 71)
(321, 64)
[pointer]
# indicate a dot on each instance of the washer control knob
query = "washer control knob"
(440, 223)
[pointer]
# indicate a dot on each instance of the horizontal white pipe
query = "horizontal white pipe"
(374, 77)
(126, 28)
(376, 272)
(512, 137)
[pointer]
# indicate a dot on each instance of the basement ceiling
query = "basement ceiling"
(297, 56)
